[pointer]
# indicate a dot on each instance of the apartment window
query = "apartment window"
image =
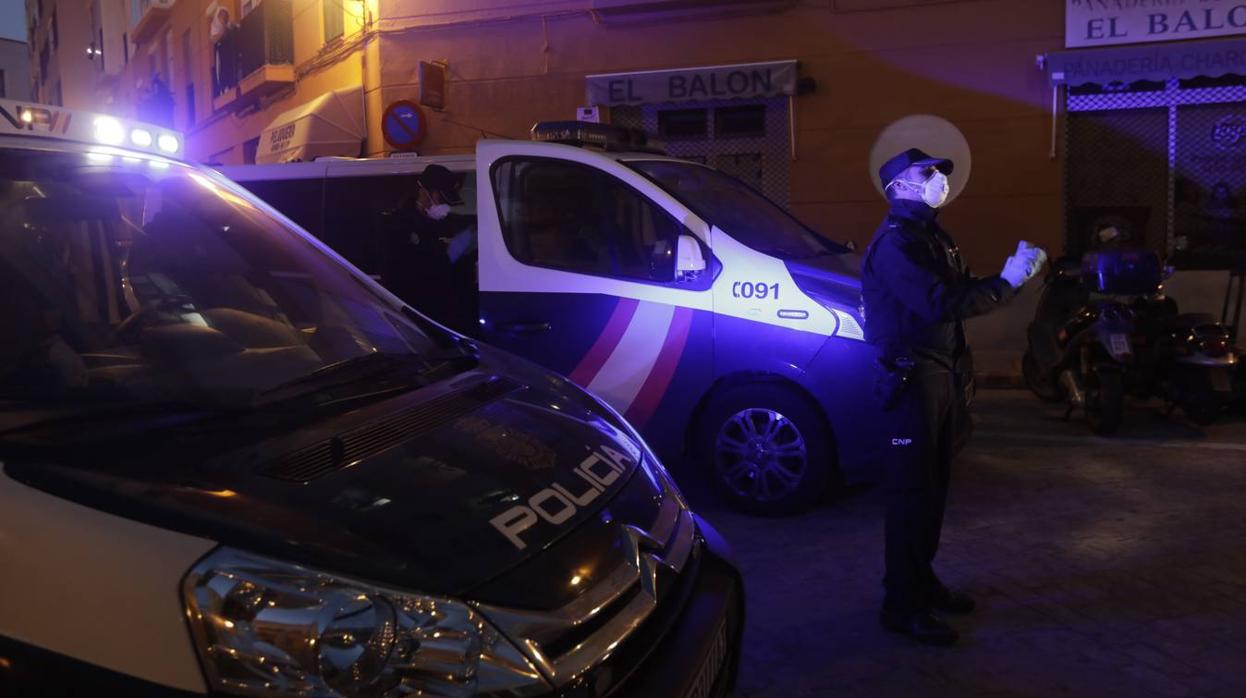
(188, 76)
(334, 19)
(45, 54)
(166, 57)
(190, 104)
(249, 150)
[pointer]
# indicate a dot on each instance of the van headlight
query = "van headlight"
(264, 627)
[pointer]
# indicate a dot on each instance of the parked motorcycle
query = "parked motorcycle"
(1104, 330)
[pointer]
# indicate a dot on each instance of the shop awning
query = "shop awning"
(1156, 62)
(331, 124)
(739, 81)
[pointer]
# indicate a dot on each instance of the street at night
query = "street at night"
(1102, 567)
(623, 348)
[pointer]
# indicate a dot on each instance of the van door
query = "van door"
(578, 273)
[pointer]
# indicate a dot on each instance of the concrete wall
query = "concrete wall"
(211, 134)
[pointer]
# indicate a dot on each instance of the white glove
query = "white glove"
(1024, 265)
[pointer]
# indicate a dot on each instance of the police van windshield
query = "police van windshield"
(737, 209)
(127, 281)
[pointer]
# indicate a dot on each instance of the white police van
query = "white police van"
(712, 319)
(231, 464)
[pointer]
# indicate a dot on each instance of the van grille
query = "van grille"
(568, 642)
(362, 442)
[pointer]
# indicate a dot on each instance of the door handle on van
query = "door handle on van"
(523, 327)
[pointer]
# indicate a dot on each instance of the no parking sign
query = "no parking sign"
(404, 125)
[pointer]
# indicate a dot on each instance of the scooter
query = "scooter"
(1104, 330)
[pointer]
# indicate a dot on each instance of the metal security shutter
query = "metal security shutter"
(1118, 175)
(1169, 158)
(760, 157)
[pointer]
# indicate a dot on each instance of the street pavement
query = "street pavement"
(1101, 566)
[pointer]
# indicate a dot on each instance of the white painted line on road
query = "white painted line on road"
(1105, 441)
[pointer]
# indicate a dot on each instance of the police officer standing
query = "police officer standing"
(917, 291)
(417, 266)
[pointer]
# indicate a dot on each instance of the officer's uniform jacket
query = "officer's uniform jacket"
(917, 290)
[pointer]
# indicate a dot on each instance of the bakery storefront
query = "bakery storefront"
(1155, 133)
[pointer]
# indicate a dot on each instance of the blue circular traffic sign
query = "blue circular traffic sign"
(404, 125)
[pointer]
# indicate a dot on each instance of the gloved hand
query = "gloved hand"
(1024, 265)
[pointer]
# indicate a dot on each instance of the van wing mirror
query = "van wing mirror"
(689, 261)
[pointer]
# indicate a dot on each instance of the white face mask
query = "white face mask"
(934, 191)
(438, 211)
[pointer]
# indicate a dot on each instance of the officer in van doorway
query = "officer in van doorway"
(417, 266)
(917, 292)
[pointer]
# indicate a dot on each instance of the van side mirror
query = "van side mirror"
(689, 261)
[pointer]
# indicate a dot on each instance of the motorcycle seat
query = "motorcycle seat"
(1188, 321)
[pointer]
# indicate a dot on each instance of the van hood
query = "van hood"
(406, 492)
(834, 277)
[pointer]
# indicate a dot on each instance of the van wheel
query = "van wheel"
(767, 450)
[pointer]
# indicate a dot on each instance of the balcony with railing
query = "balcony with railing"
(254, 57)
(152, 14)
(266, 48)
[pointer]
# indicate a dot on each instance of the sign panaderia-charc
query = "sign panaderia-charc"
(1107, 22)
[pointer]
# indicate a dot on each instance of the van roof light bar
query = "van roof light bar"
(18, 118)
(587, 134)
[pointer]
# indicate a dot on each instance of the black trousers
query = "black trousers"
(927, 420)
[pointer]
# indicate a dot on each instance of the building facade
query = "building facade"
(800, 98)
(14, 70)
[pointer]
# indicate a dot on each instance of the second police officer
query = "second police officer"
(917, 292)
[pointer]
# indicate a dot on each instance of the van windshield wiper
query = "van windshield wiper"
(362, 368)
(339, 373)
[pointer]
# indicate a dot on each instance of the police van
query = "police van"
(232, 464)
(713, 320)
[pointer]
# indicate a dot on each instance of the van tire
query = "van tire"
(749, 441)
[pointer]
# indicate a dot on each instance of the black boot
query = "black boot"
(949, 601)
(921, 626)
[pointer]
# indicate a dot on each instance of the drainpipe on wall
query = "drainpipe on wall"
(370, 68)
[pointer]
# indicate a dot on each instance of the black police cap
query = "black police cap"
(437, 178)
(893, 167)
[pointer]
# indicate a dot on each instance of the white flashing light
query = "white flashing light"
(169, 143)
(108, 130)
(102, 130)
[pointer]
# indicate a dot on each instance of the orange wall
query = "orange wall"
(972, 62)
(512, 63)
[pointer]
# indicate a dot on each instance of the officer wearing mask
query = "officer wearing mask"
(917, 292)
(417, 266)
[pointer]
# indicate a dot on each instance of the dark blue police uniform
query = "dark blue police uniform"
(916, 292)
